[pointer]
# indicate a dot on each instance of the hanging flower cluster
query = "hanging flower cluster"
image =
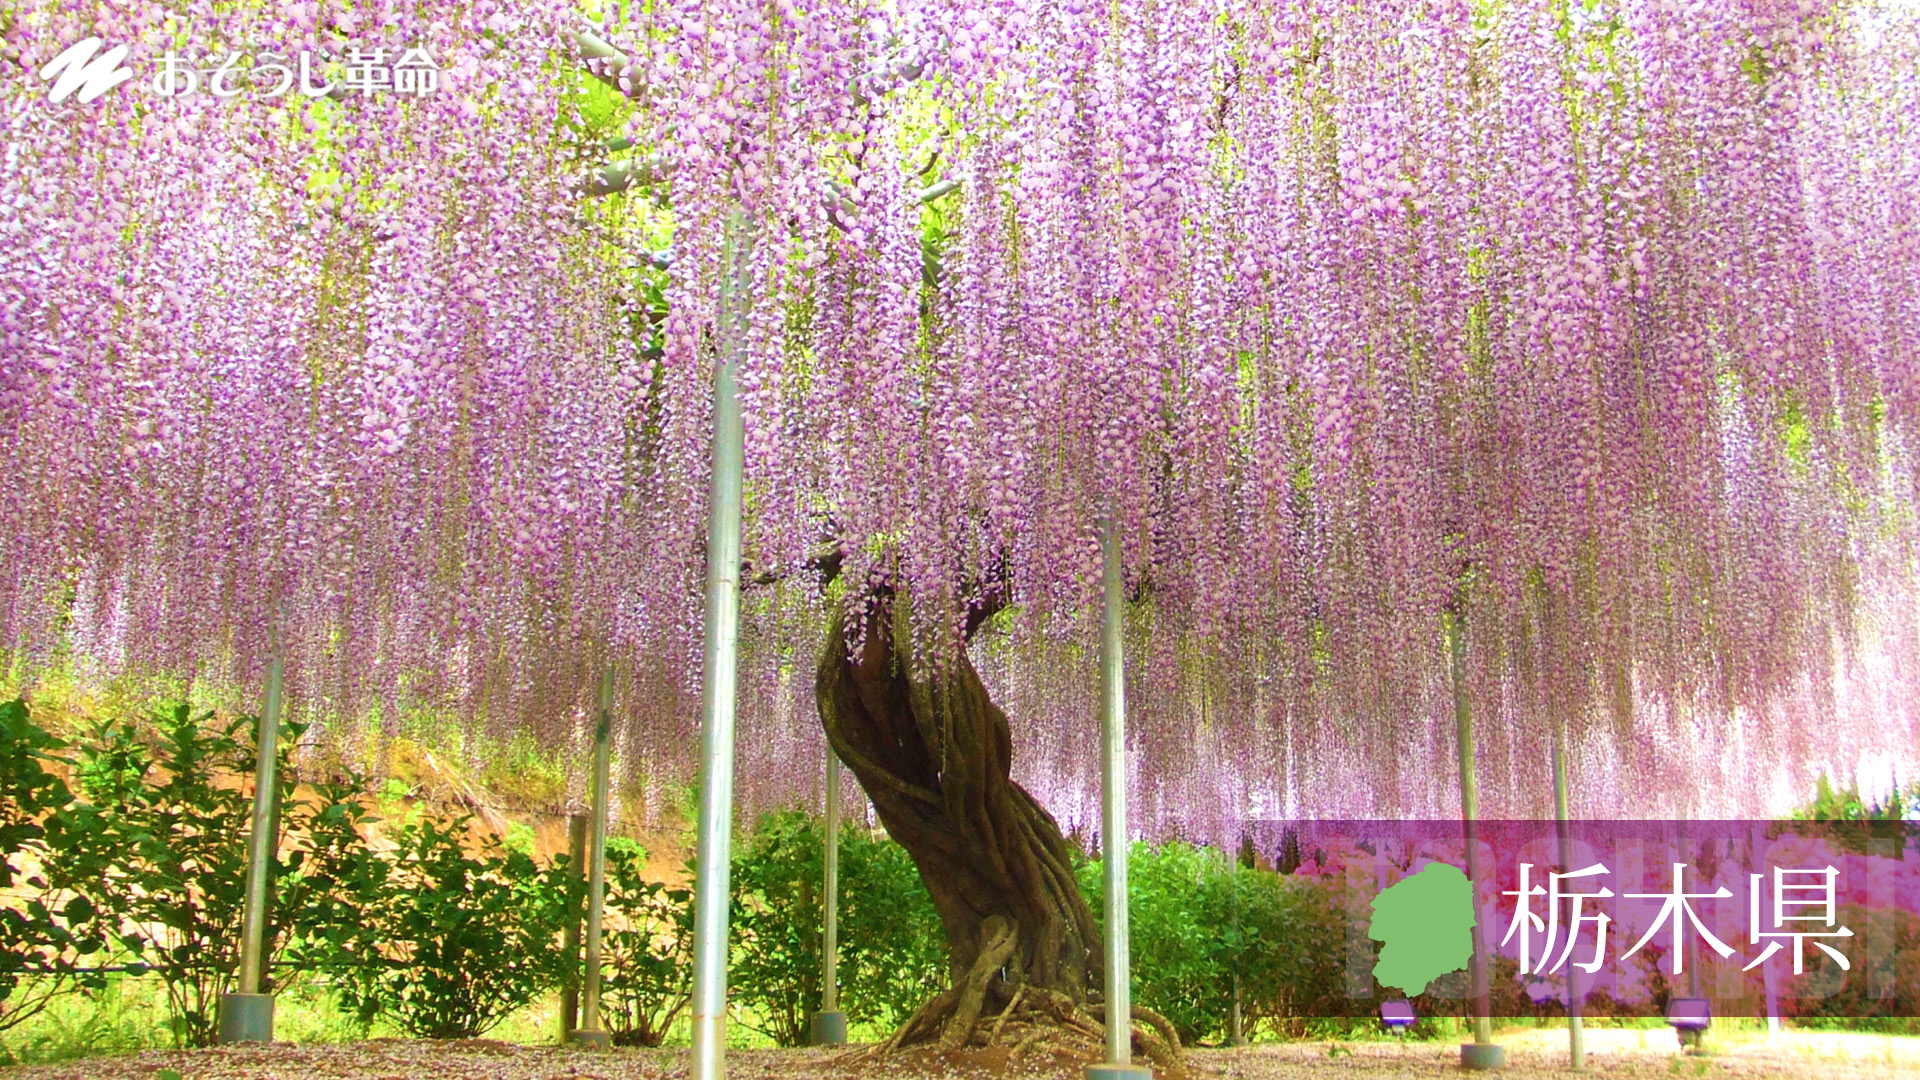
(1594, 326)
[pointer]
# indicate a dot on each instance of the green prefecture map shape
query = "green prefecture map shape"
(1425, 923)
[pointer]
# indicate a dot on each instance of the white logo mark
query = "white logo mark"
(79, 69)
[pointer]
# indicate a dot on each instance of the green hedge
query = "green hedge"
(140, 869)
(442, 931)
(892, 948)
(1204, 928)
(125, 850)
(44, 936)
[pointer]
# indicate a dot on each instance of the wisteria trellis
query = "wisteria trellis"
(1601, 319)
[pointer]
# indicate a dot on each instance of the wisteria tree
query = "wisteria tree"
(1586, 327)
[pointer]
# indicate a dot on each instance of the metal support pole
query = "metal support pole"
(1692, 1040)
(829, 1026)
(830, 992)
(591, 1032)
(1576, 1036)
(1236, 1020)
(714, 850)
(247, 1014)
(1113, 818)
(1756, 845)
(1482, 1053)
(570, 937)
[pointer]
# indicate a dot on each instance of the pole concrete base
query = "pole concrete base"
(827, 1028)
(590, 1040)
(1119, 1072)
(1483, 1057)
(246, 1018)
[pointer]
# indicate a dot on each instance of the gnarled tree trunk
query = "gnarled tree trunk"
(933, 753)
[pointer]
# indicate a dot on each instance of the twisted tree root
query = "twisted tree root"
(997, 946)
(1032, 1037)
(1140, 1012)
(994, 1035)
(925, 1016)
(1033, 1017)
(1161, 1044)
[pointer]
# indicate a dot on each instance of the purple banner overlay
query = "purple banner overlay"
(1636, 918)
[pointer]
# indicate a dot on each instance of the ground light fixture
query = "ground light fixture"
(1689, 1017)
(1397, 1016)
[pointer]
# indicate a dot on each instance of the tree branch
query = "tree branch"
(986, 596)
(824, 560)
(622, 175)
(944, 187)
(608, 64)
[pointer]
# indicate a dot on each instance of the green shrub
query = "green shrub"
(333, 886)
(774, 969)
(1289, 949)
(450, 942)
(1847, 804)
(155, 854)
(647, 950)
(1893, 967)
(1176, 948)
(893, 949)
(1202, 927)
(42, 938)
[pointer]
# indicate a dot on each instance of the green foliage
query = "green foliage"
(118, 1016)
(393, 793)
(147, 867)
(647, 948)
(893, 950)
(1176, 945)
(1847, 805)
(1202, 926)
(154, 854)
(520, 774)
(775, 965)
(37, 931)
(1288, 948)
(518, 838)
(1882, 991)
(443, 934)
(450, 942)
(1848, 822)
(334, 883)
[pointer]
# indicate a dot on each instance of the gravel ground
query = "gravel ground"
(1613, 1053)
